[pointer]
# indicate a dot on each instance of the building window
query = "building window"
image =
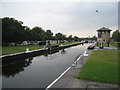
(103, 32)
(99, 34)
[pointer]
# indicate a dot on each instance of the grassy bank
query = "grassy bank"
(102, 65)
(114, 44)
(16, 49)
(104, 44)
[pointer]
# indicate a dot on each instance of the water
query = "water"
(40, 71)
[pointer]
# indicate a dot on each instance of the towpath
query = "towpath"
(69, 79)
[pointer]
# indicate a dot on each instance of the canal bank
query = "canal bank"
(33, 53)
(40, 71)
(68, 78)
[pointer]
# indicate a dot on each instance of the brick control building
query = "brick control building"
(103, 35)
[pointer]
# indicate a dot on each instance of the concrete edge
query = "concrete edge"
(33, 53)
(50, 85)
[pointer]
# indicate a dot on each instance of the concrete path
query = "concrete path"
(69, 79)
(107, 48)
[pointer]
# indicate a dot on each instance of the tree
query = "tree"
(116, 36)
(60, 36)
(70, 38)
(37, 33)
(28, 36)
(12, 30)
(48, 35)
(94, 38)
(76, 38)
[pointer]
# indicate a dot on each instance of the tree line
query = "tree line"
(116, 36)
(14, 31)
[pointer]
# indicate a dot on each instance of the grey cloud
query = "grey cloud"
(67, 17)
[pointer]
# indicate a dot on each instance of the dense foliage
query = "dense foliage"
(116, 36)
(14, 31)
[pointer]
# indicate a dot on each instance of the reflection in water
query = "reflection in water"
(40, 71)
(51, 52)
(54, 54)
(14, 68)
(63, 51)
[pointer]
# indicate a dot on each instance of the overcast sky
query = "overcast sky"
(70, 18)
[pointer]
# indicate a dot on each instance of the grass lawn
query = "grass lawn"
(114, 44)
(104, 44)
(102, 65)
(16, 49)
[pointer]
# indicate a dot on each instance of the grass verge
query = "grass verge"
(16, 49)
(102, 65)
(104, 44)
(114, 44)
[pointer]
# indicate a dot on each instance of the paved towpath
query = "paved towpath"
(69, 79)
(107, 48)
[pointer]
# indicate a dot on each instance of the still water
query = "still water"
(40, 71)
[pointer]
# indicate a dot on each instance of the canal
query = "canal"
(40, 71)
